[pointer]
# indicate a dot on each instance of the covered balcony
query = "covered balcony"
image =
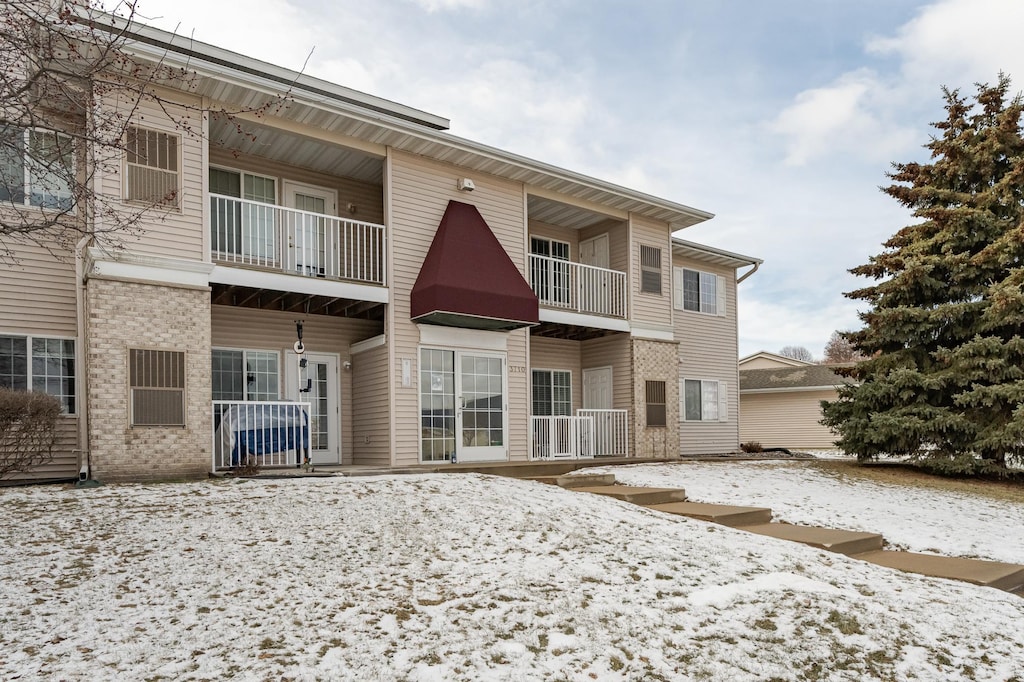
(287, 240)
(577, 287)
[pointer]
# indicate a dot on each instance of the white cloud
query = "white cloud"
(958, 42)
(848, 116)
(772, 325)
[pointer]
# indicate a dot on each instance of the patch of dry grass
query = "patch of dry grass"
(902, 474)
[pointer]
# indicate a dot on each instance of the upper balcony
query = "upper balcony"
(578, 288)
(295, 242)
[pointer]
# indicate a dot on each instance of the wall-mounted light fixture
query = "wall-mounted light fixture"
(465, 185)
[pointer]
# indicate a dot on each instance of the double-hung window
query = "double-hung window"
(153, 175)
(700, 292)
(704, 400)
(552, 393)
(44, 365)
(37, 168)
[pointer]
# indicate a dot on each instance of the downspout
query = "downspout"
(750, 272)
(85, 470)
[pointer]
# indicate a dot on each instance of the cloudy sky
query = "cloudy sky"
(779, 116)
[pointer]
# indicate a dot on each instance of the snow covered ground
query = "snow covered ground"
(455, 577)
(910, 518)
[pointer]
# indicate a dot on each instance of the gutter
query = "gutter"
(85, 468)
(750, 272)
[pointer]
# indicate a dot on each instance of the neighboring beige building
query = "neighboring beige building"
(456, 302)
(780, 402)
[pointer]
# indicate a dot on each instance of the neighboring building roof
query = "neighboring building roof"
(225, 76)
(805, 378)
(774, 358)
(467, 279)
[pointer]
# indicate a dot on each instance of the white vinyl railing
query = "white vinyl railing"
(591, 433)
(296, 242)
(264, 433)
(611, 431)
(577, 287)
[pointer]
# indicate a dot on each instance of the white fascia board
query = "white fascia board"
(710, 253)
(300, 285)
(144, 267)
(436, 335)
(368, 344)
(581, 320)
(653, 332)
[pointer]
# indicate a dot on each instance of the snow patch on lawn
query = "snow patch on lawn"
(912, 518)
(454, 577)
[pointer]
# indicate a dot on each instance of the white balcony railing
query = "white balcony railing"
(591, 433)
(577, 287)
(264, 433)
(611, 431)
(255, 234)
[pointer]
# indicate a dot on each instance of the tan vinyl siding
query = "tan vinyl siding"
(559, 354)
(651, 308)
(611, 351)
(420, 191)
(64, 464)
(560, 234)
(37, 293)
(167, 232)
(708, 349)
(367, 198)
(370, 411)
(786, 419)
(252, 329)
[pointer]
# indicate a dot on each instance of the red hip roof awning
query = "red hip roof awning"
(467, 279)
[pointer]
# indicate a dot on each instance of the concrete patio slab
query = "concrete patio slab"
(724, 514)
(637, 495)
(1008, 577)
(841, 541)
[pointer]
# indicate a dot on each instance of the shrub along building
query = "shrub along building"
(452, 301)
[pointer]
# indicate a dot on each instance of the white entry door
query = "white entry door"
(311, 236)
(597, 388)
(595, 251)
(481, 417)
(317, 384)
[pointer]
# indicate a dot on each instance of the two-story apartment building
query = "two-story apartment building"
(349, 283)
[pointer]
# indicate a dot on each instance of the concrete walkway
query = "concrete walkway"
(859, 545)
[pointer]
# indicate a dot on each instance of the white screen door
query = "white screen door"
(320, 375)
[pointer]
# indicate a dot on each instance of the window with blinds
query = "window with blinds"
(655, 399)
(152, 167)
(650, 269)
(157, 384)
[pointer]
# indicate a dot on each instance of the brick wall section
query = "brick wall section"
(655, 361)
(125, 315)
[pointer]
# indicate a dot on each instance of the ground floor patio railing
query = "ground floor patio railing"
(590, 433)
(259, 433)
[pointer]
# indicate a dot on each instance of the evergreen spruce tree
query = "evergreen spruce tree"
(943, 381)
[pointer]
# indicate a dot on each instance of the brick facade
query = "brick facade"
(124, 315)
(655, 361)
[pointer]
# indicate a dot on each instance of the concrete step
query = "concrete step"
(577, 481)
(636, 494)
(841, 541)
(1008, 577)
(723, 514)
